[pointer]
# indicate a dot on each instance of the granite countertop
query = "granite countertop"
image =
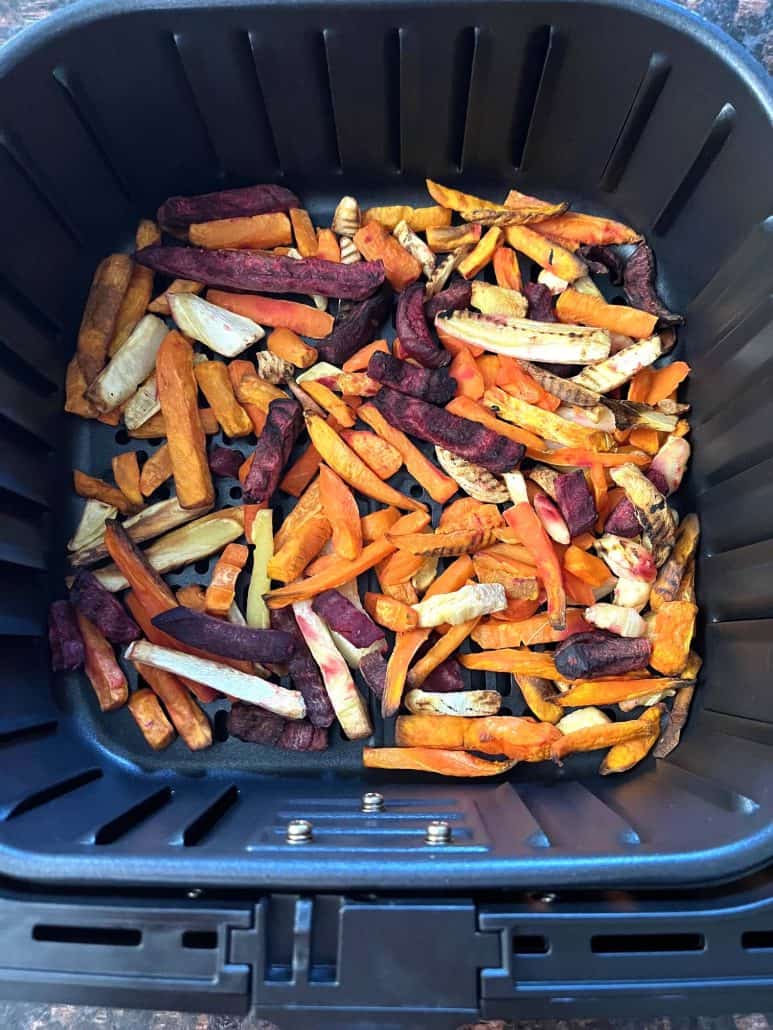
(751, 23)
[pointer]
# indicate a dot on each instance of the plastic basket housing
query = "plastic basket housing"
(633, 109)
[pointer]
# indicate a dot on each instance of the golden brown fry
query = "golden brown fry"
(675, 721)
(215, 384)
(595, 737)
(155, 426)
(539, 694)
(625, 756)
(666, 586)
(156, 470)
(443, 648)
(139, 290)
(512, 659)
(192, 596)
(150, 717)
(160, 306)
(108, 287)
(444, 545)
(88, 486)
(519, 738)
(76, 402)
(612, 691)
(544, 423)
(189, 720)
(672, 632)
(126, 472)
(445, 763)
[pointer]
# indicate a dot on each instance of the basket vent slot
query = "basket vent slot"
(530, 944)
(757, 940)
(646, 943)
(104, 936)
(201, 827)
(643, 105)
(544, 48)
(112, 831)
(466, 51)
(200, 940)
(321, 58)
(179, 48)
(26, 734)
(20, 370)
(54, 791)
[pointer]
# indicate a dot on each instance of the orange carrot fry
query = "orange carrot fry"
(156, 425)
(639, 386)
(160, 306)
(488, 366)
(289, 314)
(467, 408)
(292, 558)
(326, 399)
(222, 587)
(521, 738)
(303, 230)
(389, 613)
(378, 454)
(644, 439)
(438, 485)
(378, 523)
(665, 380)
(299, 475)
(237, 372)
(583, 309)
(535, 630)
(108, 287)
(215, 384)
(308, 506)
(288, 345)
(594, 737)
(151, 591)
(443, 648)
(344, 571)
(102, 670)
(527, 525)
(327, 245)
(255, 232)
(480, 256)
(424, 759)
(513, 660)
(552, 257)
(341, 510)
(188, 719)
(590, 229)
(469, 381)
(585, 566)
(360, 360)
(126, 472)
(156, 470)
(581, 457)
(578, 591)
(151, 719)
(89, 487)
(506, 269)
(375, 243)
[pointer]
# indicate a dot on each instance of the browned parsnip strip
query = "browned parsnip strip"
(108, 287)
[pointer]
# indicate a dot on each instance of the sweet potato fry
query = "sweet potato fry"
(126, 472)
(518, 738)
(75, 386)
(469, 381)
(303, 230)
(138, 292)
(327, 400)
(422, 759)
(439, 486)
(299, 475)
(287, 314)
(389, 613)
(548, 255)
(148, 586)
(535, 630)
(187, 718)
(160, 306)
(613, 691)
(667, 585)
(445, 544)
(376, 525)
(595, 737)
(585, 566)
(581, 309)
(623, 757)
(327, 245)
(256, 232)
(467, 408)
(155, 426)
(308, 506)
(192, 596)
(663, 381)
(108, 287)
(102, 670)
(671, 634)
(507, 272)
(446, 645)
(87, 486)
(513, 660)
(587, 229)
(378, 454)
(482, 254)
(539, 694)
(151, 720)
(291, 558)
(215, 384)
(376, 243)
(177, 392)
(395, 572)
(288, 345)
(340, 508)
(360, 360)
(222, 587)
(156, 470)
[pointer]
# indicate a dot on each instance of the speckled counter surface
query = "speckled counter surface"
(751, 23)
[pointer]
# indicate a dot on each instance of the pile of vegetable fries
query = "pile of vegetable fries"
(541, 420)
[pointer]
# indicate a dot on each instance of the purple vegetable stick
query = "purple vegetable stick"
(64, 638)
(357, 327)
(540, 302)
(587, 655)
(178, 212)
(435, 385)
(455, 297)
(225, 461)
(283, 427)
(103, 609)
(415, 337)
(225, 638)
(575, 502)
(345, 618)
(304, 671)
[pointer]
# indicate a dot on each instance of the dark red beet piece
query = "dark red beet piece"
(258, 273)
(178, 212)
(64, 638)
(455, 297)
(435, 385)
(283, 427)
(604, 261)
(356, 327)
(447, 678)
(304, 671)
(588, 655)
(575, 501)
(103, 609)
(225, 638)
(540, 302)
(347, 619)
(639, 286)
(374, 669)
(225, 461)
(622, 519)
(413, 331)
(254, 725)
(461, 436)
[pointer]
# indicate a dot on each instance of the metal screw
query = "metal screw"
(438, 832)
(299, 831)
(194, 893)
(547, 897)
(372, 802)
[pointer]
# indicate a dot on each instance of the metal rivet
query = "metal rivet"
(438, 832)
(372, 802)
(547, 897)
(299, 831)
(193, 893)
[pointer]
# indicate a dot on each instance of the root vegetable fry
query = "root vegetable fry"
(328, 401)
(215, 384)
(581, 309)
(261, 537)
(468, 602)
(192, 596)
(335, 577)
(652, 511)
(623, 757)
(548, 255)
(533, 630)
(91, 526)
(75, 385)
(442, 239)
(626, 622)
(126, 472)
(345, 698)
(551, 518)
(595, 737)
(445, 545)
(148, 586)
(288, 345)
(522, 338)
(282, 428)
(249, 688)
(676, 720)
(518, 738)
(439, 486)
(587, 229)
(360, 360)
(187, 718)
(506, 269)
(108, 287)
(222, 586)
(64, 637)
(340, 508)
(151, 720)
(421, 759)
(460, 702)
(671, 633)
(512, 660)
(303, 230)
(390, 613)
(480, 256)
(299, 475)
(395, 572)
(327, 245)
(539, 694)
(467, 375)
(546, 424)
(378, 454)
(376, 525)
(291, 558)
(598, 653)
(177, 392)
(620, 367)
(474, 412)
(527, 525)
(351, 468)
(666, 586)
(665, 380)
(286, 314)
(160, 306)
(102, 670)
(178, 212)
(443, 648)
(156, 470)
(89, 487)
(155, 425)
(252, 232)
(586, 567)
(613, 691)
(308, 506)
(376, 243)
(347, 619)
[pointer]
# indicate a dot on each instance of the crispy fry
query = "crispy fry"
(623, 757)
(378, 523)
(478, 258)
(518, 738)
(76, 402)
(360, 360)
(151, 720)
(421, 759)
(188, 719)
(586, 567)
(288, 314)
(550, 256)
(108, 287)
(340, 508)
(581, 309)
(254, 232)
(138, 292)
(288, 345)
(507, 271)
(469, 381)
(155, 426)
(443, 648)
(102, 670)
(328, 401)
(377, 453)
(513, 660)
(126, 472)
(222, 587)
(444, 545)
(441, 239)
(215, 384)
(539, 694)
(376, 243)
(533, 630)
(668, 583)
(588, 229)
(390, 613)
(303, 230)
(156, 470)
(87, 486)
(671, 633)
(595, 737)
(292, 557)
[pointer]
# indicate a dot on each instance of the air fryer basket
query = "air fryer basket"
(633, 109)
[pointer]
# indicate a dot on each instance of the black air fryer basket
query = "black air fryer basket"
(637, 110)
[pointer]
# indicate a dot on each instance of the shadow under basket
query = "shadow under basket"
(640, 111)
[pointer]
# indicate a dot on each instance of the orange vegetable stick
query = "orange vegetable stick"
(222, 587)
(508, 370)
(160, 306)
(583, 309)
(469, 381)
(188, 719)
(359, 361)
(308, 506)
(378, 454)
(646, 440)
(87, 486)
(639, 386)
(483, 252)
(138, 292)
(108, 287)
(351, 468)
(250, 512)
(378, 523)
(151, 719)
(254, 232)
(290, 347)
(237, 371)
(192, 596)
(443, 648)
(299, 475)
(577, 591)
(438, 485)
(488, 366)
(665, 380)
(156, 470)
(155, 426)
(357, 384)
(303, 230)
(470, 409)
(552, 257)
(177, 392)
(397, 569)
(102, 670)
(126, 472)
(375, 243)
(584, 541)
(527, 525)
(326, 399)
(327, 245)
(149, 588)
(390, 613)
(518, 609)
(340, 507)
(507, 271)
(513, 660)
(304, 589)
(586, 566)
(215, 384)
(590, 229)
(425, 759)
(521, 738)
(597, 478)
(581, 457)
(292, 558)
(494, 634)
(407, 644)
(467, 513)
(289, 314)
